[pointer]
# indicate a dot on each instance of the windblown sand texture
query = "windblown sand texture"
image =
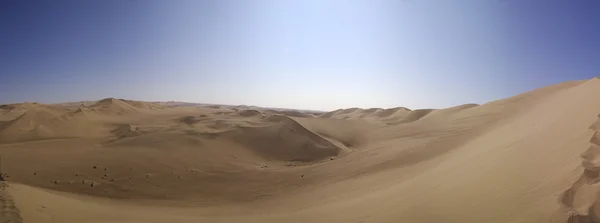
(530, 158)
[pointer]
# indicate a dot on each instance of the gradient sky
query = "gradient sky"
(310, 54)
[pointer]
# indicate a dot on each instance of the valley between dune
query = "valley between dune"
(529, 158)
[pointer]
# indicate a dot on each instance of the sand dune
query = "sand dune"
(285, 140)
(113, 106)
(42, 122)
(411, 116)
(390, 116)
(386, 113)
(293, 113)
(349, 133)
(37, 123)
(533, 157)
(144, 105)
(248, 113)
(338, 113)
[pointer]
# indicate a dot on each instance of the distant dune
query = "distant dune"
(35, 122)
(113, 106)
(533, 157)
(248, 113)
(40, 122)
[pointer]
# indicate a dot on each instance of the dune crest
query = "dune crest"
(582, 200)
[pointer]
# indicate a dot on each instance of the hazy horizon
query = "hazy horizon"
(315, 55)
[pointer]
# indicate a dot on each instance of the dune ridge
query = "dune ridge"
(581, 200)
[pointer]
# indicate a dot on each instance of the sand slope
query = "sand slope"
(512, 160)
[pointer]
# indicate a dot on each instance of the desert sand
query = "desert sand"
(534, 157)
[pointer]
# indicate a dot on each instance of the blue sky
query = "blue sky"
(309, 54)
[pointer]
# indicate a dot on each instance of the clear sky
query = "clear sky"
(306, 54)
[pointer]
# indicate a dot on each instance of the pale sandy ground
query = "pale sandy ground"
(513, 160)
